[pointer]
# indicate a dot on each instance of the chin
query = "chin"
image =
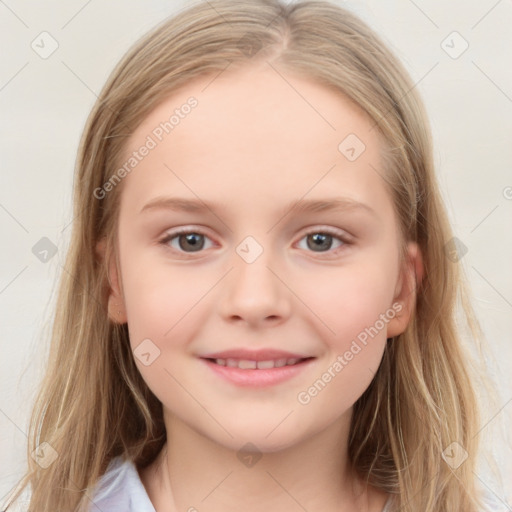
(262, 437)
(259, 443)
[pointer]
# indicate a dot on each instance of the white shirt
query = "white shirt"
(120, 489)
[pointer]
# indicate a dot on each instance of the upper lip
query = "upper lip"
(254, 355)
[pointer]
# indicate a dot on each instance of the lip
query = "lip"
(257, 378)
(254, 355)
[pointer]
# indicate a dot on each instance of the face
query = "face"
(213, 258)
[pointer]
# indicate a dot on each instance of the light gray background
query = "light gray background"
(45, 102)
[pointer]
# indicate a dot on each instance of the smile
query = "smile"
(257, 374)
(246, 364)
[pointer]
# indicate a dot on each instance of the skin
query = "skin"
(253, 144)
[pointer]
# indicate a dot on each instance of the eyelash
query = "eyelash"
(324, 231)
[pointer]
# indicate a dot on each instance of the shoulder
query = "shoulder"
(120, 489)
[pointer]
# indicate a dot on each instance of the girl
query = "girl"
(258, 311)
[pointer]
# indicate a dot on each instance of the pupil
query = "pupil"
(324, 240)
(192, 241)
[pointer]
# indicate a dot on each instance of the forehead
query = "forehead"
(258, 130)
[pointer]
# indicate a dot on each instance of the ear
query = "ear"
(410, 277)
(116, 305)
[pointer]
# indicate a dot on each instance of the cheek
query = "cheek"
(355, 304)
(350, 298)
(159, 299)
(162, 306)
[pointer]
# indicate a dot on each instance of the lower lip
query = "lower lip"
(258, 378)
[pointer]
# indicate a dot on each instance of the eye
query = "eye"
(322, 240)
(188, 240)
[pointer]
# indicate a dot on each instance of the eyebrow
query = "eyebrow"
(341, 204)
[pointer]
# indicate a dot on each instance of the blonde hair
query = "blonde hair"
(94, 405)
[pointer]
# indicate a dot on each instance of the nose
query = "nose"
(255, 292)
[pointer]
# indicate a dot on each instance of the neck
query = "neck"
(195, 473)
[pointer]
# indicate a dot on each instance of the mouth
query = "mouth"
(257, 374)
(248, 364)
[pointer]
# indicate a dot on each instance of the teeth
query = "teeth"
(246, 364)
(264, 365)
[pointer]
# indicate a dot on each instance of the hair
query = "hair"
(93, 404)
